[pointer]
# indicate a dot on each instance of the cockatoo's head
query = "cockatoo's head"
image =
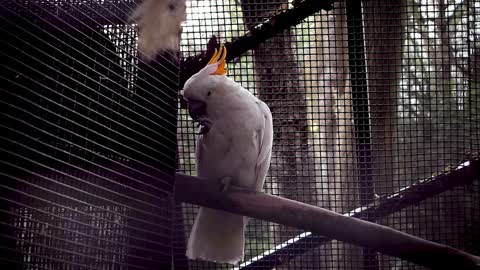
(201, 90)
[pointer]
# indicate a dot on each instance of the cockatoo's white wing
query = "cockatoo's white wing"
(265, 146)
(237, 146)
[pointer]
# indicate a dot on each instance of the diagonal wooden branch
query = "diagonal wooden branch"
(256, 35)
(323, 222)
(464, 173)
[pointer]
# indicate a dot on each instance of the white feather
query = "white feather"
(160, 25)
(217, 236)
(238, 145)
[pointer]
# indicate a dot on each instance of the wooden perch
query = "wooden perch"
(462, 174)
(322, 222)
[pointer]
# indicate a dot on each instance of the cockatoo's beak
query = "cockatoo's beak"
(196, 109)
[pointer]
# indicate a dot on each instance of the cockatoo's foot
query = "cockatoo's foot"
(205, 125)
(225, 183)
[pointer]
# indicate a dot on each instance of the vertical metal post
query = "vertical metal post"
(358, 73)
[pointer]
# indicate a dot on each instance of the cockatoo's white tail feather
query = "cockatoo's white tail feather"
(160, 25)
(217, 236)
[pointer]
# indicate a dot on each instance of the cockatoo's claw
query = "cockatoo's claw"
(225, 183)
(203, 130)
(204, 123)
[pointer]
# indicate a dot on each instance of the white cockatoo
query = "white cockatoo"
(160, 23)
(234, 146)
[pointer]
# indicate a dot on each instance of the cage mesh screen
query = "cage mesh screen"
(367, 99)
(87, 137)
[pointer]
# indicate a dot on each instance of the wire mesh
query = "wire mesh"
(88, 139)
(367, 99)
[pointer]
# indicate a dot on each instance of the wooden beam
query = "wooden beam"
(322, 222)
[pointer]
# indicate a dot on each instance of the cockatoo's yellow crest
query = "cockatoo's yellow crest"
(219, 56)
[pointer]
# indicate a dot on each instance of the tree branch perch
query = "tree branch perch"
(323, 222)
(463, 174)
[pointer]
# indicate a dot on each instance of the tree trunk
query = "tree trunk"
(384, 36)
(279, 84)
(331, 107)
(451, 135)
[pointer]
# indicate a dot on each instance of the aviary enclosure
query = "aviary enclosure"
(376, 108)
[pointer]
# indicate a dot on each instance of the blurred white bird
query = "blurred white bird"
(234, 145)
(160, 23)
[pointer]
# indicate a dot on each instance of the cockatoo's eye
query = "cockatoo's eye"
(209, 93)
